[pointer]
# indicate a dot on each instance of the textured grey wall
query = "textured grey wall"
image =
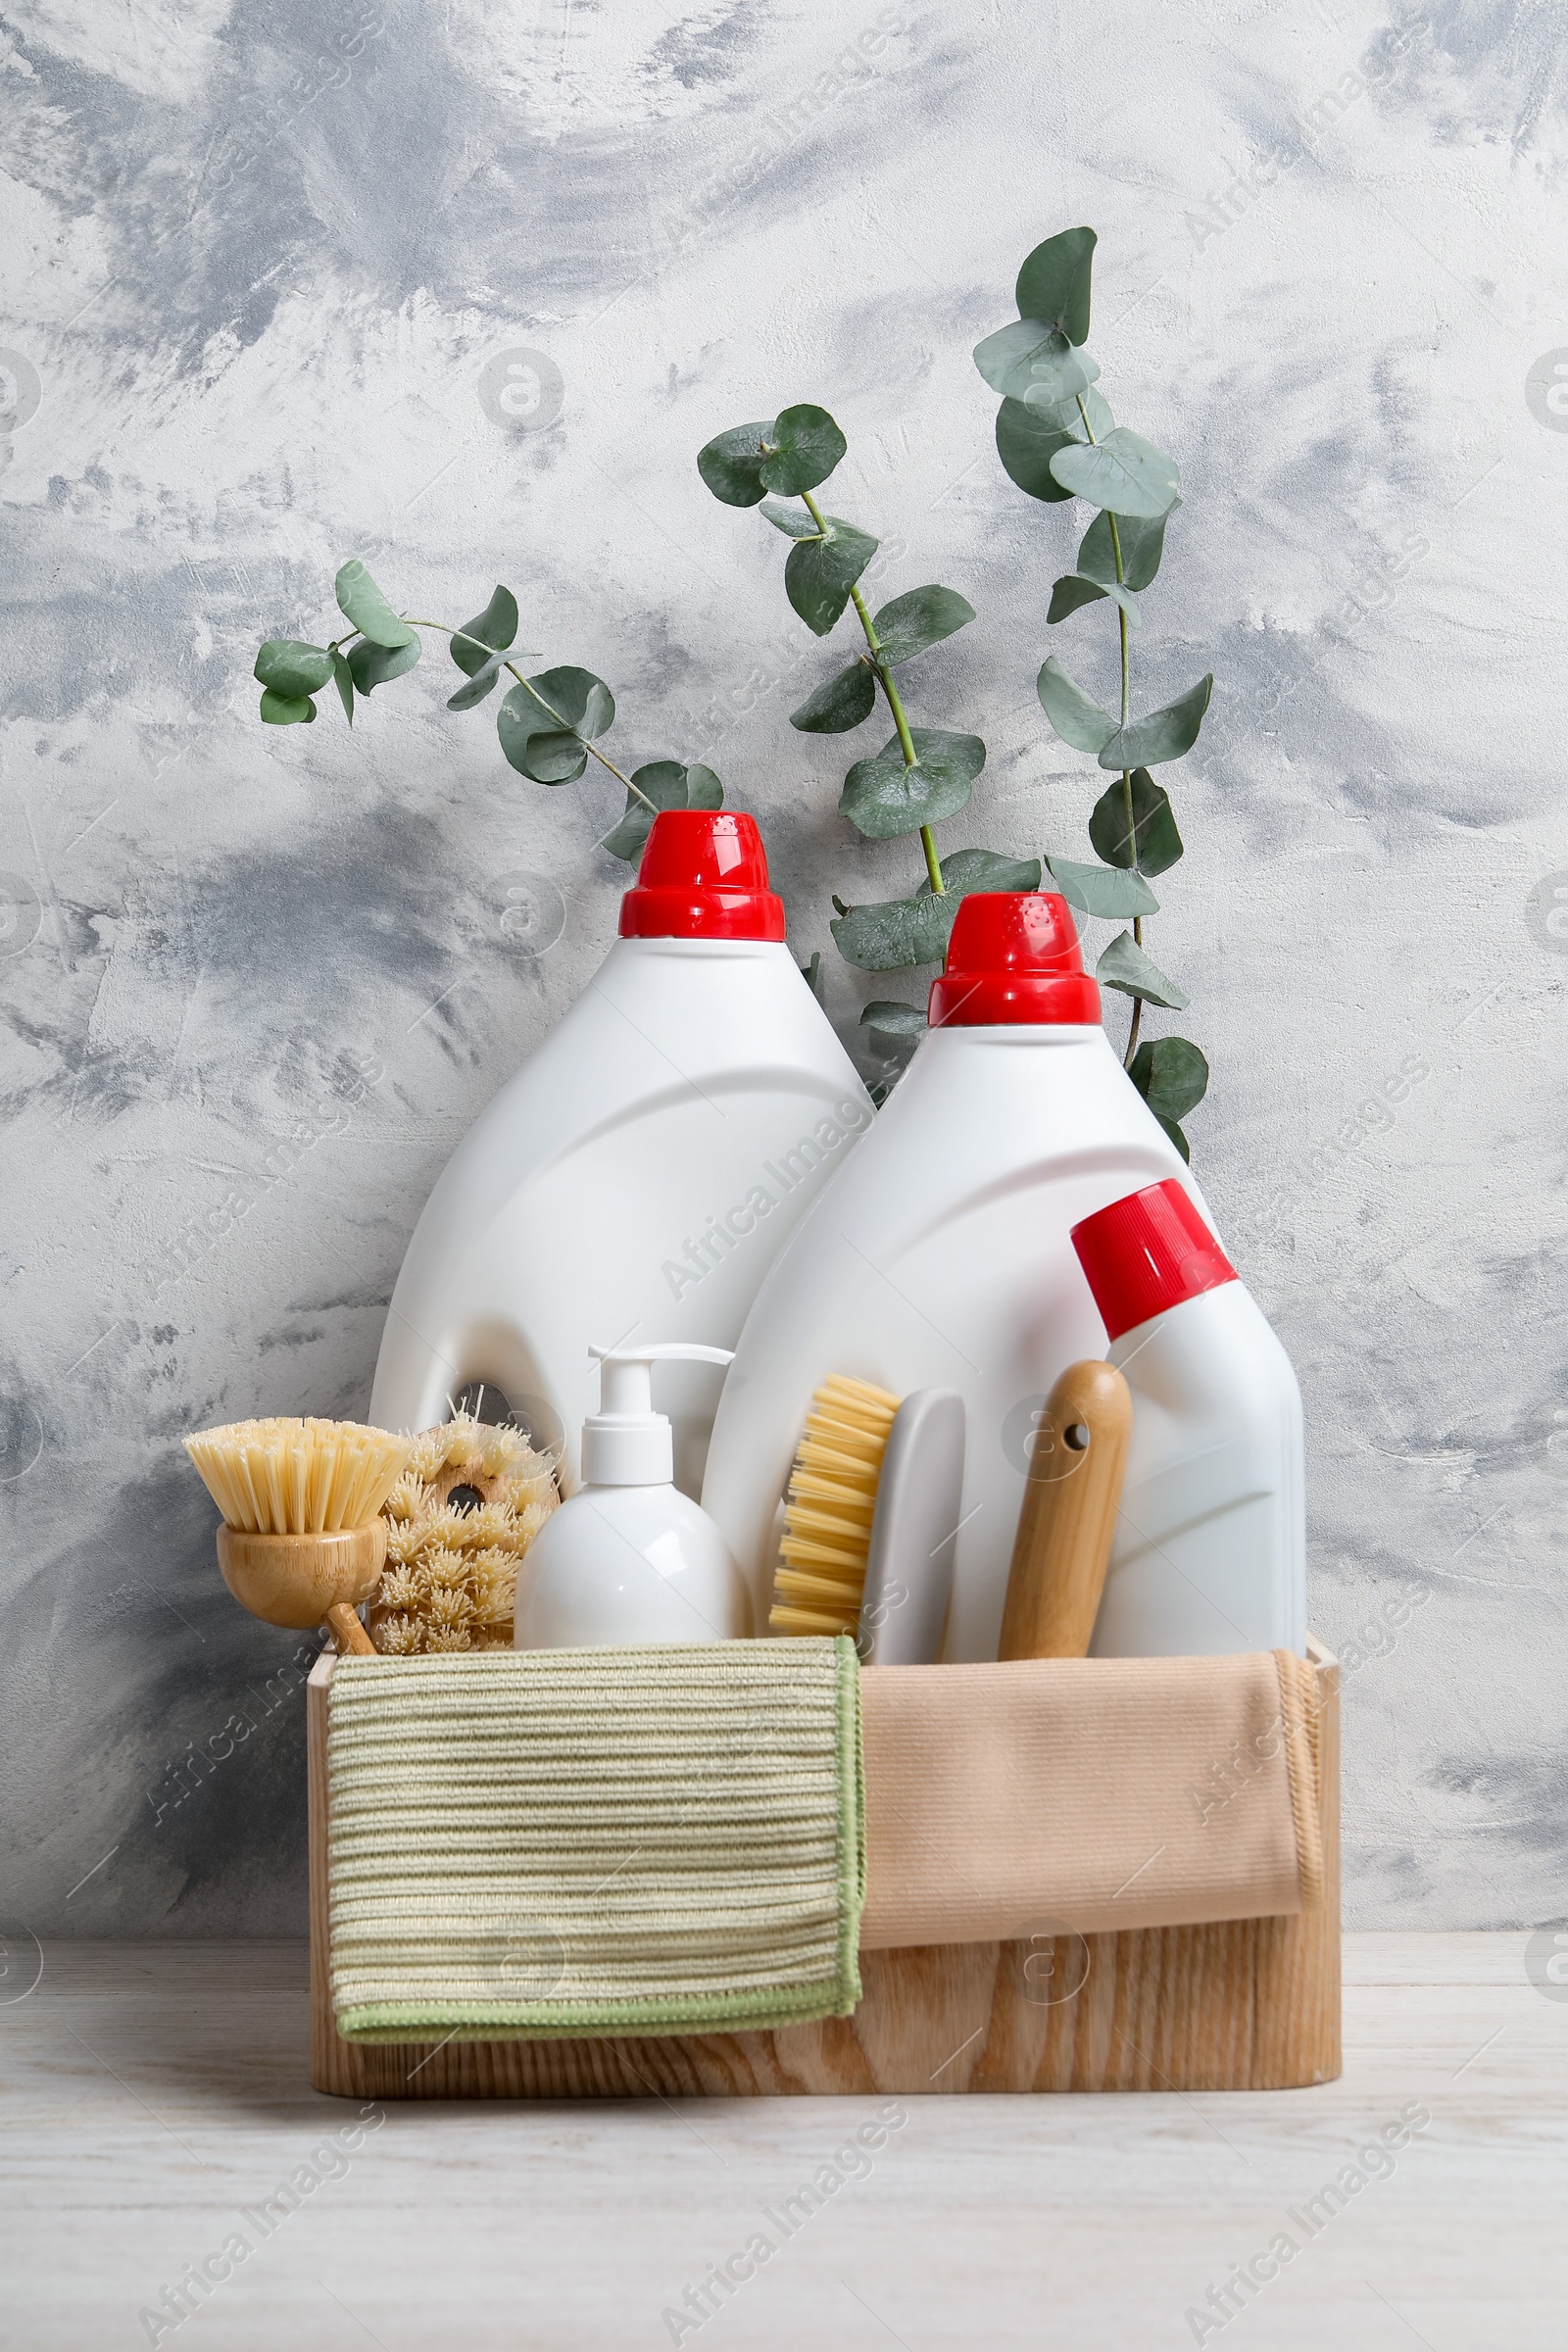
(259, 982)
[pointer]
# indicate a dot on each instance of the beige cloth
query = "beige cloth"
(1002, 1801)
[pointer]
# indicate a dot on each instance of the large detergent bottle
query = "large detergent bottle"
(635, 1178)
(941, 1254)
(1210, 1553)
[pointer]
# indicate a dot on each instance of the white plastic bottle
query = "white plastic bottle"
(629, 1559)
(640, 1170)
(1210, 1548)
(940, 1254)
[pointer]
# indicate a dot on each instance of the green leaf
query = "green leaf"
(1054, 282)
(1126, 967)
(667, 785)
(345, 683)
(818, 573)
(1171, 1075)
(981, 869)
(1069, 418)
(1111, 891)
(1142, 542)
(919, 618)
(895, 934)
(793, 522)
(846, 700)
(546, 726)
(1165, 734)
(492, 631)
(480, 682)
(892, 1019)
(804, 446)
(812, 973)
(362, 601)
(882, 796)
(371, 664)
(731, 464)
(1026, 442)
(292, 668)
(1153, 845)
(1076, 719)
(286, 710)
(1123, 472)
(1176, 1137)
(1029, 360)
(1073, 590)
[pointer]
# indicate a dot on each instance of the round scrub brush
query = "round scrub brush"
(829, 1509)
(302, 1542)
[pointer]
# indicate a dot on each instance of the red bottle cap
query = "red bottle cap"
(1013, 955)
(703, 875)
(1147, 1252)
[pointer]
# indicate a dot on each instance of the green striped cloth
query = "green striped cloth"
(545, 1842)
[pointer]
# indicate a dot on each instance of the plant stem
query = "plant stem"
(1126, 774)
(564, 724)
(933, 863)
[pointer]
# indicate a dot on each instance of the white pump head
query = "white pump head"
(627, 1444)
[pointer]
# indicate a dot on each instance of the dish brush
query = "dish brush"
(459, 1522)
(829, 1509)
(302, 1541)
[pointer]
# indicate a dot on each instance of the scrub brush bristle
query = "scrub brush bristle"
(282, 1477)
(828, 1517)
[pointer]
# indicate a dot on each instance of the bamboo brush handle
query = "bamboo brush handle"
(306, 1579)
(348, 1633)
(1069, 1518)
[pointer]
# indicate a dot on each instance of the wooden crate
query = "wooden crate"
(1244, 2005)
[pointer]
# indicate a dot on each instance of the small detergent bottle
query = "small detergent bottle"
(629, 1559)
(640, 1170)
(940, 1255)
(1210, 1553)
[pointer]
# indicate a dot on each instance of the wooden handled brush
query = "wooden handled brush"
(302, 1541)
(1070, 1499)
(829, 1509)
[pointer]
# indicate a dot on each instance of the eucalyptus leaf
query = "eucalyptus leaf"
(1030, 357)
(805, 447)
(891, 1019)
(1165, 734)
(1055, 282)
(1126, 967)
(1176, 1136)
(546, 725)
(1111, 891)
(293, 669)
(919, 618)
(731, 464)
(480, 682)
(286, 710)
(896, 934)
(882, 796)
(818, 573)
(1027, 439)
(494, 630)
(1072, 590)
(1076, 719)
(371, 664)
(1152, 843)
(667, 785)
(1086, 417)
(345, 683)
(1123, 472)
(846, 700)
(1142, 542)
(793, 522)
(812, 974)
(981, 869)
(362, 601)
(1171, 1075)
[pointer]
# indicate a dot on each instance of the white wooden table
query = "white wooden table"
(153, 2099)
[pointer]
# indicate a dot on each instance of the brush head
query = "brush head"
(284, 1477)
(829, 1509)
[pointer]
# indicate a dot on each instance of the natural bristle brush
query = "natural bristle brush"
(302, 1541)
(871, 1521)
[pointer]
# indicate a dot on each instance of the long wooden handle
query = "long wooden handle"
(348, 1633)
(1069, 1515)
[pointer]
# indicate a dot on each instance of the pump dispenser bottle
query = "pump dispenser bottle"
(630, 1559)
